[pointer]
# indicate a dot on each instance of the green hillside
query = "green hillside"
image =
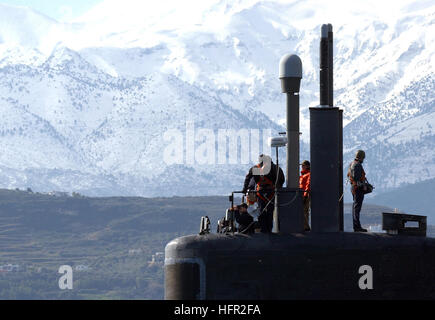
(114, 237)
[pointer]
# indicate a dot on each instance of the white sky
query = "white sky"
(67, 10)
(61, 10)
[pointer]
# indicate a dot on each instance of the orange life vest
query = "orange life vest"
(305, 181)
(262, 182)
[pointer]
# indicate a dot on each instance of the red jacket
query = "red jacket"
(304, 182)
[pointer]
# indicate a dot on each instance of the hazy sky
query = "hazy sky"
(61, 10)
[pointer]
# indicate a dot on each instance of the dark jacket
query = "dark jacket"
(271, 176)
(356, 174)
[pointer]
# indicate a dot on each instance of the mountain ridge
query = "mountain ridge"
(99, 109)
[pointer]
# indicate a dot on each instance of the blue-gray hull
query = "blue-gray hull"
(300, 266)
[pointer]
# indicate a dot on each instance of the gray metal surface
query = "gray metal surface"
(396, 223)
(291, 215)
(292, 170)
(325, 29)
(326, 67)
(290, 73)
(300, 266)
(290, 66)
(340, 170)
(325, 169)
(330, 66)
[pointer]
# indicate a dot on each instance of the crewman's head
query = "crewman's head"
(242, 207)
(305, 165)
(360, 155)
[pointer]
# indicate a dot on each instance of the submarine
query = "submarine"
(289, 263)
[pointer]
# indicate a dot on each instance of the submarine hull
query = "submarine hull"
(300, 266)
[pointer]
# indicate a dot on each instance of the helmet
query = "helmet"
(360, 155)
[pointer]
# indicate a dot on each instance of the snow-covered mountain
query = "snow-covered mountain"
(88, 106)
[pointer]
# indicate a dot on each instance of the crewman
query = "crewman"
(304, 184)
(244, 219)
(357, 177)
(265, 177)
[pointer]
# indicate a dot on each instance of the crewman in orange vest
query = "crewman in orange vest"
(357, 176)
(265, 176)
(304, 184)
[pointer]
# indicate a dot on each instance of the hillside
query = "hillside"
(412, 198)
(113, 238)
